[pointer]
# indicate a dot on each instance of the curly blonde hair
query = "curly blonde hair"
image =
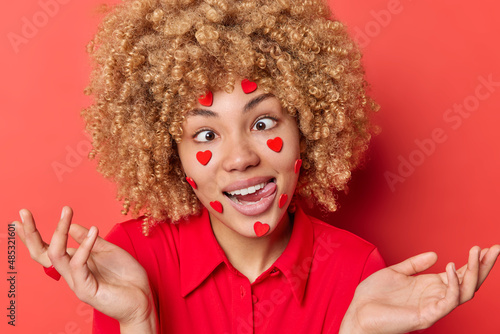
(153, 58)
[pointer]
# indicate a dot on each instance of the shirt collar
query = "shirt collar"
(295, 262)
(200, 253)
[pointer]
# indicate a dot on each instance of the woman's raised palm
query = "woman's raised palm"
(100, 273)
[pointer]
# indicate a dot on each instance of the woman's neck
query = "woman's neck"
(252, 256)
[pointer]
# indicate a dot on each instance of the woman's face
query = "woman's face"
(240, 153)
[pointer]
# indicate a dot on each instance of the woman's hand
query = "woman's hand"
(392, 300)
(100, 273)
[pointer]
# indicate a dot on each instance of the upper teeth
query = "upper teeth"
(249, 190)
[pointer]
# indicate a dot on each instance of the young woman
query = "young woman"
(212, 117)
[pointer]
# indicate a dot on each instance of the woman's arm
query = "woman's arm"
(393, 300)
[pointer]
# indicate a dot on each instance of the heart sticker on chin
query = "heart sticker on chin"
(275, 144)
(191, 182)
(217, 206)
(282, 201)
(204, 157)
(260, 229)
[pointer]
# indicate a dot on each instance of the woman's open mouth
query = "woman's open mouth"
(253, 200)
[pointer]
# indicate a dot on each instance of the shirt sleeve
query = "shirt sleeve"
(102, 323)
(373, 263)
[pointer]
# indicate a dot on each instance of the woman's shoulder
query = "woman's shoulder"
(140, 234)
(345, 249)
(337, 237)
(136, 228)
(135, 238)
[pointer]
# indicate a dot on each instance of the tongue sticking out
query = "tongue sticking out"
(256, 196)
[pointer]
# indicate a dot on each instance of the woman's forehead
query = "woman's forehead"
(232, 102)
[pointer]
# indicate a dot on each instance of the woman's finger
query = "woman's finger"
(57, 250)
(452, 296)
(83, 279)
(79, 233)
(460, 273)
(483, 252)
(415, 264)
(32, 239)
(470, 278)
(487, 262)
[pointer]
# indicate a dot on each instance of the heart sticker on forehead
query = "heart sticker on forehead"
(275, 144)
(207, 99)
(248, 86)
(217, 206)
(204, 157)
(260, 229)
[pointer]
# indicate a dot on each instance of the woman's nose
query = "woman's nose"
(240, 155)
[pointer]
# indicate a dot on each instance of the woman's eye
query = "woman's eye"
(205, 136)
(264, 124)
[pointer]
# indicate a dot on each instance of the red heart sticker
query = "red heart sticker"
(207, 99)
(282, 201)
(298, 163)
(275, 144)
(248, 86)
(204, 157)
(260, 229)
(217, 206)
(191, 182)
(52, 273)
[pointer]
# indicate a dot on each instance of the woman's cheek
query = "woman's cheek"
(202, 173)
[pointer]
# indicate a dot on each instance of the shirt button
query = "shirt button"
(274, 272)
(242, 291)
(255, 299)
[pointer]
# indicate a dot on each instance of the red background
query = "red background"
(422, 58)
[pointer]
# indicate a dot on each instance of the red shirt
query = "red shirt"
(307, 290)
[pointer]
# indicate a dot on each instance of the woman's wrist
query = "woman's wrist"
(350, 323)
(147, 326)
(146, 321)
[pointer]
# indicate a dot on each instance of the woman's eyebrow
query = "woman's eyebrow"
(255, 101)
(201, 112)
(248, 106)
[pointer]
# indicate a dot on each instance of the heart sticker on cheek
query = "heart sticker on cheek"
(191, 182)
(275, 144)
(298, 164)
(248, 86)
(260, 229)
(282, 201)
(217, 206)
(204, 157)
